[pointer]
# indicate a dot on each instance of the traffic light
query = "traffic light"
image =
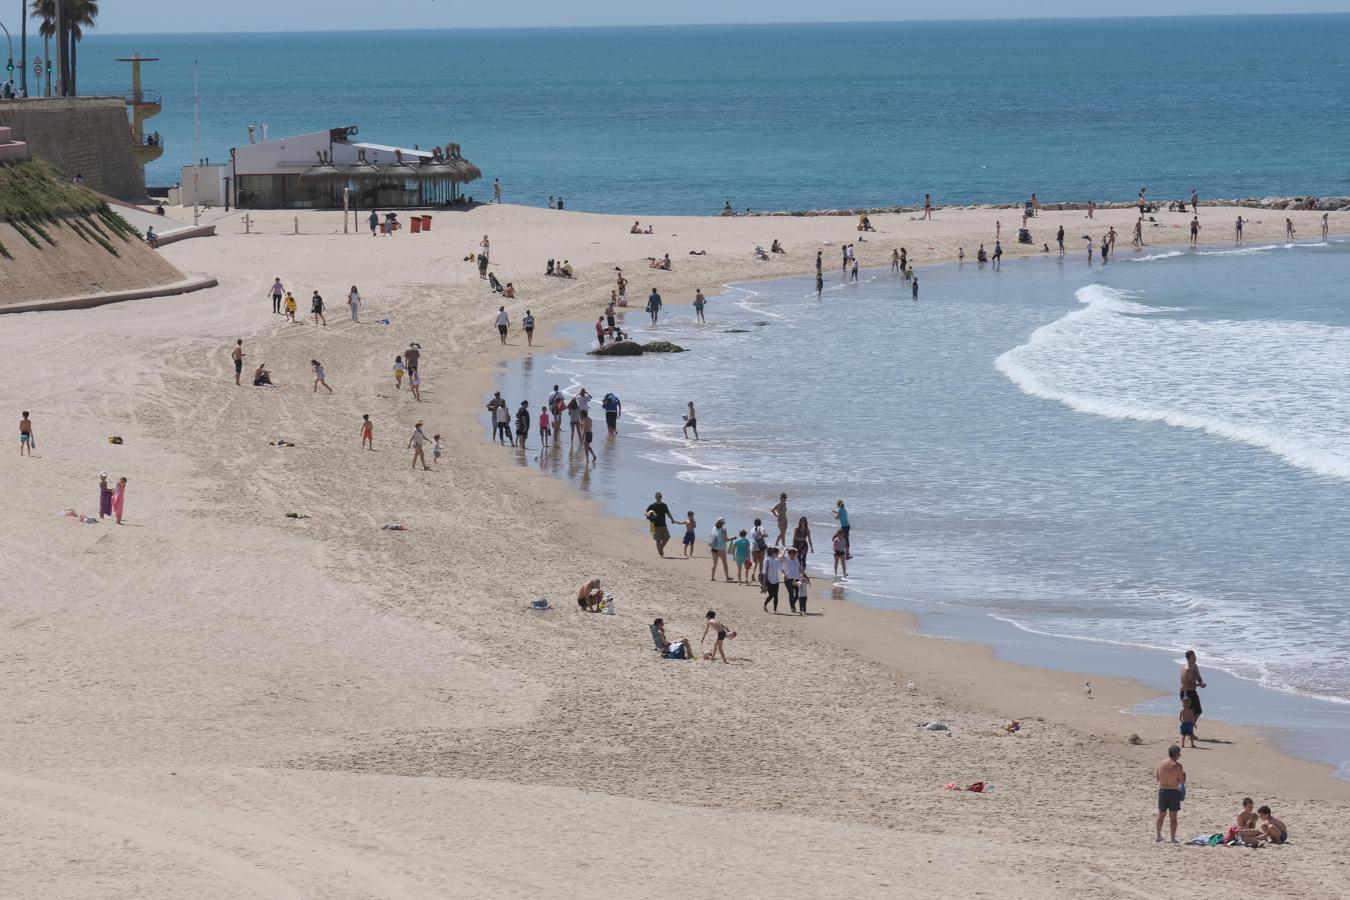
(49, 66)
(9, 66)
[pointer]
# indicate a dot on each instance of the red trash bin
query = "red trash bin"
(426, 223)
(416, 224)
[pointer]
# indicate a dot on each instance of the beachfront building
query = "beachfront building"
(316, 170)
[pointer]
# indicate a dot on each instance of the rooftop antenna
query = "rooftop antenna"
(196, 141)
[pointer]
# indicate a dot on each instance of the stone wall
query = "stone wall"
(91, 136)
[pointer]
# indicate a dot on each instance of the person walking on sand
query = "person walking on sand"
(317, 367)
(354, 301)
(792, 573)
(105, 496)
(367, 433)
(277, 292)
(374, 222)
(399, 370)
(654, 305)
(1195, 230)
(740, 550)
(773, 575)
(316, 309)
(1191, 681)
(237, 354)
(587, 437)
(691, 421)
(722, 633)
(1171, 778)
(119, 499)
(1138, 239)
(658, 517)
(690, 533)
(26, 440)
(840, 515)
(503, 323)
(700, 302)
(487, 248)
(928, 206)
(528, 324)
(417, 442)
(801, 540)
(415, 385)
(412, 357)
(780, 514)
(290, 307)
(717, 543)
(759, 546)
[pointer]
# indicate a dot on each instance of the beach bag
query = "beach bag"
(711, 540)
(678, 650)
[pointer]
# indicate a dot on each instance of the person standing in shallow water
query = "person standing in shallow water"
(699, 303)
(1191, 680)
(587, 437)
(780, 514)
(691, 422)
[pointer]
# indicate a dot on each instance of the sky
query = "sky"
(170, 16)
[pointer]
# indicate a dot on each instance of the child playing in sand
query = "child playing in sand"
(367, 433)
(399, 369)
(840, 554)
(740, 548)
(290, 307)
(722, 634)
(1187, 721)
(318, 376)
(803, 587)
(435, 448)
(690, 527)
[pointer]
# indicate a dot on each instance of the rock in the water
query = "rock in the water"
(734, 331)
(619, 348)
(662, 347)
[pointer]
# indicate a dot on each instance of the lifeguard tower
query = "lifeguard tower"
(143, 105)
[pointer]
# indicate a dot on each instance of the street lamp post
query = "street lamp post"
(23, 47)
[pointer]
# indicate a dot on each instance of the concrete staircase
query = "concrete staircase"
(11, 149)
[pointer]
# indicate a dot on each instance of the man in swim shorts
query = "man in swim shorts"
(1171, 786)
(25, 434)
(237, 354)
(1190, 680)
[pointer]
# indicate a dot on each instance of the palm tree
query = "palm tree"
(76, 16)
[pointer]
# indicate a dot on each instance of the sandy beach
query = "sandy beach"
(216, 700)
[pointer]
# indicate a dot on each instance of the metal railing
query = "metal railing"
(127, 96)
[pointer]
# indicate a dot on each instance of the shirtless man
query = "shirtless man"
(1171, 781)
(589, 595)
(25, 434)
(780, 512)
(1271, 829)
(1190, 680)
(237, 354)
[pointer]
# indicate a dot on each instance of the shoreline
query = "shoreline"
(1281, 735)
(349, 707)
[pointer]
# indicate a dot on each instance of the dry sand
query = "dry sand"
(214, 700)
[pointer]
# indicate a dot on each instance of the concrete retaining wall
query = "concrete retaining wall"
(91, 136)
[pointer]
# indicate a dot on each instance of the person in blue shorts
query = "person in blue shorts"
(690, 527)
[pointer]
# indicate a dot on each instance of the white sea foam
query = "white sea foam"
(1152, 256)
(1275, 385)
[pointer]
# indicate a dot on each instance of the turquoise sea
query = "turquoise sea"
(677, 119)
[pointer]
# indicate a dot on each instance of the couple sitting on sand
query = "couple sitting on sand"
(1258, 826)
(659, 263)
(637, 229)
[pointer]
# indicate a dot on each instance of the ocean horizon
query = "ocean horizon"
(679, 119)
